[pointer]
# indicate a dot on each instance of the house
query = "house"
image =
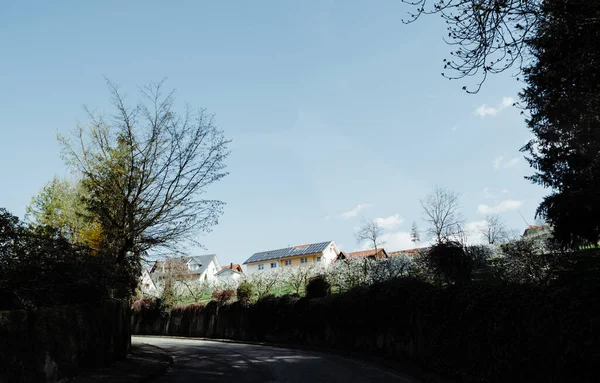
(230, 273)
(370, 254)
(201, 267)
(148, 285)
(323, 253)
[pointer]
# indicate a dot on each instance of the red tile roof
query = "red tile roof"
(233, 266)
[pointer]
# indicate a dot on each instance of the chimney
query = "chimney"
(231, 267)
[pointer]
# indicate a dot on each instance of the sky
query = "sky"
(337, 111)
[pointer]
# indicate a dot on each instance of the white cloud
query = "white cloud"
(512, 162)
(505, 190)
(389, 223)
(484, 110)
(502, 207)
(497, 162)
(473, 230)
(354, 212)
(507, 101)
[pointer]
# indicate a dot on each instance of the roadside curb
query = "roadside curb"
(403, 366)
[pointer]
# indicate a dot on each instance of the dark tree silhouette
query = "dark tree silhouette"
(563, 99)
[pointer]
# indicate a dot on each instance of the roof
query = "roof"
(233, 266)
(202, 260)
(368, 253)
(228, 270)
(287, 252)
(409, 252)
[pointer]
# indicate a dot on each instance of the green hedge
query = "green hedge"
(473, 333)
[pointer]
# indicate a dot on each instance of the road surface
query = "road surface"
(206, 361)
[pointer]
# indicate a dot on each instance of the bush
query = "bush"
(39, 267)
(223, 296)
(448, 262)
(149, 307)
(244, 292)
(317, 287)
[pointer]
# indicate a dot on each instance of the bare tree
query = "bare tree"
(441, 211)
(145, 171)
(371, 233)
(487, 36)
(494, 230)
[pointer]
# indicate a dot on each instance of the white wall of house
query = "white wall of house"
(147, 285)
(228, 275)
(254, 267)
(329, 254)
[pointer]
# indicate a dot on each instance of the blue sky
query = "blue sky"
(336, 109)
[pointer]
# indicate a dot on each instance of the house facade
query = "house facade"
(322, 253)
(201, 267)
(230, 273)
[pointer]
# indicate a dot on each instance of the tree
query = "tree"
(370, 232)
(60, 204)
(414, 233)
(493, 230)
(145, 170)
(441, 212)
(297, 277)
(487, 36)
(563, 99)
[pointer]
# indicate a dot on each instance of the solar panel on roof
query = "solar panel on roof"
(288, 252)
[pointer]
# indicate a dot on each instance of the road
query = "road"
(207, 361)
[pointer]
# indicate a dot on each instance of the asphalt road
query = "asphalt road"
(206, 361)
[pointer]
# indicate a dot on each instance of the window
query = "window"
(273, 265)
(288, 262)
(303, 260)
(261, 266)
(318, 259)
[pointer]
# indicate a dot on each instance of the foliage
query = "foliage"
(60, 204)
(40, 267)
(223, 296)
(505, 333)
(297, 277)
(318, 287)
(448, 263)
(143, 175)
(244, 292)
(265, 282)
(523, 262)
(563, 99)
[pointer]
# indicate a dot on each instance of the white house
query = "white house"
(230, 273)
(202, 267)
(323, 253)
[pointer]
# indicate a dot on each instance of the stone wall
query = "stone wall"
(51, 344)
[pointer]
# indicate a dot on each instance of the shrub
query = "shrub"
(223, 296)
(449, 263)
(245, 291)
(317, 287)
(149, 307)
